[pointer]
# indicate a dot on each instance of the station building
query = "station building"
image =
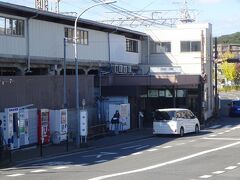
(158, 68)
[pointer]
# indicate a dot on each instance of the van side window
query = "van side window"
(178, 115)
(164, 115)
(181, 114)
(191, 115)
(188, 115)
(184, 115)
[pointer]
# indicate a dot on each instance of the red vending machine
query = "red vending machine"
(43, 126)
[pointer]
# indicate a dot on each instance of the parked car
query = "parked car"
(175, 121)
(234, 109)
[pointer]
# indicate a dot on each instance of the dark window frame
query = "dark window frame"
(131, 45)
(2, 25)
(190, 46)
(166, 45)
(13, 27)
(82, 36)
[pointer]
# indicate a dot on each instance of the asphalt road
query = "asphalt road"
(212, 154)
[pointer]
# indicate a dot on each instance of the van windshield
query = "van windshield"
(164, 115)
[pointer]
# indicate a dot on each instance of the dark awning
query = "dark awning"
(156, 80)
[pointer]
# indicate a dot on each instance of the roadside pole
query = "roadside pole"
(215, 73)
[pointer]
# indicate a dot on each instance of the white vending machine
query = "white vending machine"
(59, 123)
(23, 127)
(11, 127)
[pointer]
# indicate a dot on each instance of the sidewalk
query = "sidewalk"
(35, 153)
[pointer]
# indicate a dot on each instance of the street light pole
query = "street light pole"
(76, 66)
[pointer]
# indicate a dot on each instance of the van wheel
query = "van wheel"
(196, 129)
(181, 132)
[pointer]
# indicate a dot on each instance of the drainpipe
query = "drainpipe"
(109, 50)
(148, 53)
(28, 44)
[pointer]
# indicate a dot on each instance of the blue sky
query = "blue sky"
(224, 15)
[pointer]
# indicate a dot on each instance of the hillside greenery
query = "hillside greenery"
(229, 39)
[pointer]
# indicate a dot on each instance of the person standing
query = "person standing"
(115, 121)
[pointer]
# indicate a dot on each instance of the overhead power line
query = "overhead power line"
(124, 17)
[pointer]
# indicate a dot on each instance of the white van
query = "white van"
(175, 121)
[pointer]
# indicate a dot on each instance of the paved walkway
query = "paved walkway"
(35, 152)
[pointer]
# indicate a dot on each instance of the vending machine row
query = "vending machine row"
(23, 127)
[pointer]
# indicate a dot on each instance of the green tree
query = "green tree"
(229, 69)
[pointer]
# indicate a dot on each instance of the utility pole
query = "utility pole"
(215, 73)
(64, 76)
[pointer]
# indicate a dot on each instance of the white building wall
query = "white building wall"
(189, 61)
(13, 45)
(46, 42)
(46, 39)
(118, 53)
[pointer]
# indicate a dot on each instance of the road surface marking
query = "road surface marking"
(137, 153)
(77, 153)
(101, 161)
(79, 165)
(38, 170)
(226, 139)
(165, 163)
(60, 167)
(130, 147)
(151, 150)
(218, 172)
(53, 163)
(105, 153)
(227, 126)
(221, 133)
(8, 169)
(122, 157)
(213, 135)
(238, 163)
(227, 131)
(236, 127)
(205, 176)
(180, 144)
(15, 175)
(192, 141)
(166, 147)
(231, 167)
(100, 154)
(142, 147)
(213, 127)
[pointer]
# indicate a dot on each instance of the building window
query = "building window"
(82, 36)
(190, 46)
(161, 47)
(131, 45)
(2, 25)
(8, 26)
(12, 27)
